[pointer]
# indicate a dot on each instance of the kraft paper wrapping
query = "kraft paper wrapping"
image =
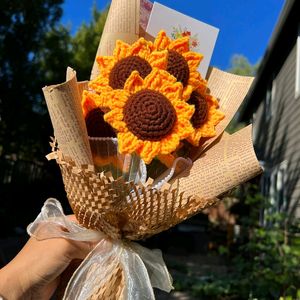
(224, 166)
(230, 90)
(64, 106)
(122, 23)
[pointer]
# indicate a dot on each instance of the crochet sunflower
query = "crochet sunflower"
(93, 116)
(205, 117)
(148, 114)
(182, 63)
(173, 56)
(116, 69)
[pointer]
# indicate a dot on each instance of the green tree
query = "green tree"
(55, 55)
(85, 43)
(240, 65)
(263, 263)
(28, 39)
(34, 51)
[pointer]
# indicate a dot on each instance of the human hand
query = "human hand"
(36, 271)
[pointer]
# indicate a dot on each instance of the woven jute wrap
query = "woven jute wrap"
(124, 210)
(113, 289)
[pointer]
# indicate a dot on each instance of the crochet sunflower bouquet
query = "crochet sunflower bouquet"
(141, 147)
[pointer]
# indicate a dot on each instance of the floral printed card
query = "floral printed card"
(202, 36)
(145, 12)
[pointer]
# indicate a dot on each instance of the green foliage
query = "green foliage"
(24, 26)
(34, 52)
(240, 65)
(55, 54)
(85, 43)
(265, 265)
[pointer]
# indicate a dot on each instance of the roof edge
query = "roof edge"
(283, 16)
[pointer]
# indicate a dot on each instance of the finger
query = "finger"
(79, 250)
(72, 218)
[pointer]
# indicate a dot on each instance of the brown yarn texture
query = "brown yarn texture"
(201, 109)
(149, 115)
(124, 210)
(96, 126)
(178, 67)
(123, 68)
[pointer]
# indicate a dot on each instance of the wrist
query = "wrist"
(10, 283)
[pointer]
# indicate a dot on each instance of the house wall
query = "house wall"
(277, 135)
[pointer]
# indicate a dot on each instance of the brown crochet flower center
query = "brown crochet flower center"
(96, 126)
(201, 109)
(124, 67)
(178, 67)
(149, 115)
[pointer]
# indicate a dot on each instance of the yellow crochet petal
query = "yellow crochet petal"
(149, 150)
(113, 116)
(121, 51)
(157, 78)
(166, 77)
(172, 92)
(134, 83)
(127, 142)
(98, 100)
(194, 138)
(196, 82)
(87, 103)
(213, 101)
(180, 45)
(183, 109)
(116, 98)
(187, 91)
(153, 80)
(100, 84)
(158, 59)
(193, 59)
(207, 130)
(183, 128)
(169, 143)
(202, 87)
(141, 48)
(105, 63)
(197, 76)
(162, 42)
(214, 116)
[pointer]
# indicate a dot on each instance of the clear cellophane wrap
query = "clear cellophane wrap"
(127, 211)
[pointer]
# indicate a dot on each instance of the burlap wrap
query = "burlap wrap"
(124, 210)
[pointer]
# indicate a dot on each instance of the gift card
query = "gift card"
(202, 36)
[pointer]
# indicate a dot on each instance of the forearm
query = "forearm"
(10, 283)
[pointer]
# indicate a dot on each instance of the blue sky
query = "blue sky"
(245, 26)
